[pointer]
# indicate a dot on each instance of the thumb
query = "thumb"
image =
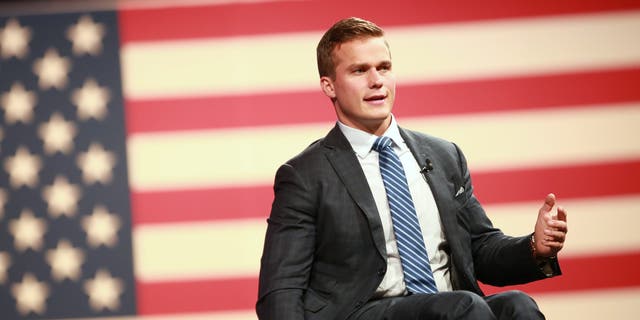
(549, 202)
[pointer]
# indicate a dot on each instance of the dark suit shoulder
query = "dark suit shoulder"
(311, 154)
(315, 153)
(433, 141)
(431, 145)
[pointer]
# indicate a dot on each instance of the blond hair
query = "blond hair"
(342, 31)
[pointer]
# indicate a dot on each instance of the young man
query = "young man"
(378, 222)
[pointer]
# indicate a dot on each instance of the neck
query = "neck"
(377, 128)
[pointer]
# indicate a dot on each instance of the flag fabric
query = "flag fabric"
(541, 96)
(65, 223)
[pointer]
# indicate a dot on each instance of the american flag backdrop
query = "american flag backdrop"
(139, 141)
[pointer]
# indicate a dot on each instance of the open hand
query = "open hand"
(551, 229)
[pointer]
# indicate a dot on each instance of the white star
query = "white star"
(18, 104)
(96, 164)
(62, 197)
(86, 36)
(4, 197)
(104, 291)
(14, 39)
(5, 262)
(91, 100)
(23, 168)
(52, 70)
(30, 295)
(57, 134)
(101, 227)
(28, 231)
(65, 261)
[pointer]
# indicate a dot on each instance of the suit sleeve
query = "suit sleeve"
(498, 259)
(288, 248)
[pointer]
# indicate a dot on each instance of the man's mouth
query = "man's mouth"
(376, 98)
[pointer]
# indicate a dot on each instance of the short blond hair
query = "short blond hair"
(342, 31)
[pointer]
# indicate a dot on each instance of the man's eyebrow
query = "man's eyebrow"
(367, 64)
(358, 65)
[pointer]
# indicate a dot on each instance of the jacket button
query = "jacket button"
(381, 272)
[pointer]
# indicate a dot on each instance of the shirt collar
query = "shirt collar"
(362, 142)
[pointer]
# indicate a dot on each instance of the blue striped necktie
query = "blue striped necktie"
(413, 253)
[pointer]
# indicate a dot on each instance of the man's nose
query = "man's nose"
(375, 79)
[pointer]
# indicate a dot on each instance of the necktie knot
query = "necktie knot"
(381, 143)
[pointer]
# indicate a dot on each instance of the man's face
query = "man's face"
(363, 90)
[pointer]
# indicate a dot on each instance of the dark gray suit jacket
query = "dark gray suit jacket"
(324, 252)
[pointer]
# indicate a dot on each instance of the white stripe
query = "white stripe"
(198, 250)
(500, 141)
(428, 53)
(168, 252)
(516, 46)
(618, 304)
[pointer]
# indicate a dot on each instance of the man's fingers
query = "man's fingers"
(556, 224)
(555, 245)
(562, 214)
(553, 235)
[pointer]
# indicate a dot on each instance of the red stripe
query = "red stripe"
(579, 181)
(586, 273)
(294, 16)
(196, 295)
(201, 204)
(579, 273)
(521, 93)
(575, 181)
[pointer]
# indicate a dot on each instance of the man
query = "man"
(358, 214)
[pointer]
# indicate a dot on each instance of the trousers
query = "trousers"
(458, 305)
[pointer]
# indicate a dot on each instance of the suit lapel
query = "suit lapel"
(344, 161)
(444, 184)
(441, 185)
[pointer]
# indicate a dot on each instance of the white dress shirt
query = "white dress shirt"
(393, 282)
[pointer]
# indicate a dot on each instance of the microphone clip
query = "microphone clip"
(427, 167)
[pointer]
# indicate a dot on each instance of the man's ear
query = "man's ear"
(327, 87)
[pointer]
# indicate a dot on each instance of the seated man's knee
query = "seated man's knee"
(467, 305)
(520, 300)
(514, 304)
(454, 305)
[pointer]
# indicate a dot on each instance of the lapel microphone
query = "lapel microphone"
(428, 166)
